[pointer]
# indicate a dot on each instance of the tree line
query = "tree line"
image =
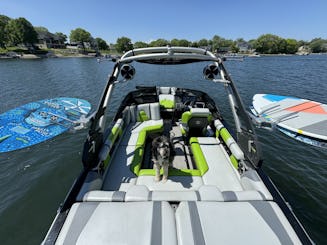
(20, 31)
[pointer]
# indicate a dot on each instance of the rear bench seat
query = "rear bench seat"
(119, 223)
(105, 217)
(253, 222)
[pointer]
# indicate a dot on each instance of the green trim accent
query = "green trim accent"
(167, 104)
(141, 138)
(225, 134)
(183, 131)
(234, 161)
(186, 116)
(172, 172)
(140, 144)
(200, 161)
(199, 158)
(106, 161)
(217, 133)
(137, 159)
(142, 116)
(115, 132)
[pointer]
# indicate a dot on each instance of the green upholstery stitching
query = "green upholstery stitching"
(234, 161)
(199, 158)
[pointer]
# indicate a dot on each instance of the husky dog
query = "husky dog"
(162, 154)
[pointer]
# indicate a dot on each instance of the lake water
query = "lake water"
(34, 181)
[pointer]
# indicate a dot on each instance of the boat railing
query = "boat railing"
(168, 52)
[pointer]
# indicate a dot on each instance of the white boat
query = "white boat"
(216, 192)
(233, 57)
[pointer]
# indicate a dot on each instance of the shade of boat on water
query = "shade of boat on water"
(216, 190)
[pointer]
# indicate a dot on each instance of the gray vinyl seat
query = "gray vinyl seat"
(254, 222)
(119, 223)
(195, 122)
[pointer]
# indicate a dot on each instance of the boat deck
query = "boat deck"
(213, 195)
(220, 206)
(120, 177)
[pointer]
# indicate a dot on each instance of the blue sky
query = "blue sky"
(190, 19)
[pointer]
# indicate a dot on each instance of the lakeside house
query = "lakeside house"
(303, 50)
(48, 40)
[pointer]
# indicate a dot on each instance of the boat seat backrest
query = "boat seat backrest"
(104, 196)
(167, 97)
(141, 193)
(195, 121)
(142, 112)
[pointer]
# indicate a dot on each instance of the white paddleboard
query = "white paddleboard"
(302, 119)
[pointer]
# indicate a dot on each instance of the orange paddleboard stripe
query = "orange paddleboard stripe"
(309, 107)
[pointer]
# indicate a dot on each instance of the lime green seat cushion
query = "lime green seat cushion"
(198, 156)
(171, 172)
(140, 144)
(135, 167)
(167, 104)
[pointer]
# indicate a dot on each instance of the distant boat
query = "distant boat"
(254, 55)
(233, 56)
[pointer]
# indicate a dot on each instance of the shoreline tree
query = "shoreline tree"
(102, 45)
(20, 31)
(3, 34)
(80, 36)
(123, 44)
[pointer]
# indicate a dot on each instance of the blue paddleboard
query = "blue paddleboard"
(39, 121)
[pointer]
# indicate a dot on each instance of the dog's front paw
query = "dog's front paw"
(164, 179)
(157, 178)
